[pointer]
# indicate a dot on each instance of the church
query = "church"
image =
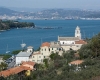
(74, 43)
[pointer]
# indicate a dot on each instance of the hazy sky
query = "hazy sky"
(82, 4)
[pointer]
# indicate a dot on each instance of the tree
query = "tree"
(46, 62)
(3, 66)
(16, 52)
(7, 56)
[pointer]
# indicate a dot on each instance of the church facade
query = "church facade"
(74, 43)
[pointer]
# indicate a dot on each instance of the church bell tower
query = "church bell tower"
(77, 32)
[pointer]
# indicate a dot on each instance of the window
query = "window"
(33, 56)
(44, 56)
(39, 56)
(49, 49)
(59, 49)
(45, 49)
(63, 42)
(38, 60)
(42, 53)
(52, 48)
(42, 49)
(77, 46)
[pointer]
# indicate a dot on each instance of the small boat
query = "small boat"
(7, 50)
(23, 45)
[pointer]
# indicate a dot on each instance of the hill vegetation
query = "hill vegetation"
(58, 68)
(5, 25)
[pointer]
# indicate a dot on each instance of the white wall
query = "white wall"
(45, 51)
(20, 59)
(38, 58)
(67, 42)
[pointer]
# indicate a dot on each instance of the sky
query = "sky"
(80, 4)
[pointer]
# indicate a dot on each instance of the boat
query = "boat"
(23, 45)
(7, 51)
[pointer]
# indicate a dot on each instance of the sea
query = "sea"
(12, 39)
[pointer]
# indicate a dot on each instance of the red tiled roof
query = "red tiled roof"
(45, 44)
(28, 62)
(11, 71)
(77, 62)
(80, 42)
(25, 66)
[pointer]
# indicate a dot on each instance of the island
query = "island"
(10, 24)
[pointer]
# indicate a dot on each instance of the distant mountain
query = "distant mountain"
(23, 9)
(62, 13)
(50, 13)
(7, 11)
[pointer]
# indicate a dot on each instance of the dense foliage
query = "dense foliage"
(5, 25)
(15, 52)
(92, 49)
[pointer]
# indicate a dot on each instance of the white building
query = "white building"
(30, 49)
(24, 55)
(74, 43)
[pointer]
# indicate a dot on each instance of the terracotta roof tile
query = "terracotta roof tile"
(80, 42)
(77, 62)
(45, 44)
(28, 62)
(25, 66)
(11, 71)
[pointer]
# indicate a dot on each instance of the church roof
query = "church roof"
(68, 39)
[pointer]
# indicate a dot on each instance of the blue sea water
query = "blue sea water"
(34, 37)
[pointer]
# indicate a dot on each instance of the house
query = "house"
(22, 56)
(74, 43)
(37, 57)
(20, 70)
(46, 50)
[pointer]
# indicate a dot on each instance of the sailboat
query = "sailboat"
(7, 50)
(23, 45)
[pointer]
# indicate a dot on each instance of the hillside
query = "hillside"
(6, 11)
(51, 14)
